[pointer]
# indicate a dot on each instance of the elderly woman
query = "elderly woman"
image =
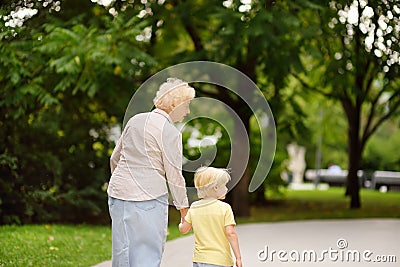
(147, 157)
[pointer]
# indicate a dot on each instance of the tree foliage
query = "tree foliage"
(261, 39)
(354, 59)
(65, 84)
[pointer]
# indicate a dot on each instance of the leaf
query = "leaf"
(15, 77)
(92, 90)
(65, 35)
(66, 64)
(64, 83)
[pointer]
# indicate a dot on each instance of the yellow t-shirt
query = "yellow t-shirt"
(208, 219)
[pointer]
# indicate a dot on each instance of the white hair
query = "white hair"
(172, 93)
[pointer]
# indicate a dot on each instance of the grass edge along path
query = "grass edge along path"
(87, 245)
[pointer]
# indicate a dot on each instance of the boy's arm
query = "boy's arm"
(185, 227)
(234, 242)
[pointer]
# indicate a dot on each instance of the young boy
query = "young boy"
(212, 221)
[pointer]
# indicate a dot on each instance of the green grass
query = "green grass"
(54, 245)
(329, 204)
(86, 245)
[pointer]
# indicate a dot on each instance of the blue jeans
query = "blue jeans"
(139, 230)
(200, 264)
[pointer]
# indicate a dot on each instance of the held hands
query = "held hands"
(180, 227)
(184, 226)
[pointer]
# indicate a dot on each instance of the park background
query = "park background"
(329, 71)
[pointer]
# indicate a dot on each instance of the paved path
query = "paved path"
(334, 242)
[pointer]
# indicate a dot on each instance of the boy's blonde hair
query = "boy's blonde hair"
(172, 93)
(205, 178)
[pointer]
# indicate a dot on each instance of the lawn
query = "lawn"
(86, 245)
(54, 245)
(329, 204)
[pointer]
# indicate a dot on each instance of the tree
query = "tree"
(354, 59)
(260, 39)
(65, 79)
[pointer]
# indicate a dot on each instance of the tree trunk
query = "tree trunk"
(240, 196)
(239, 164)
(353, 186)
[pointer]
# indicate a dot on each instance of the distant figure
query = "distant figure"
(212, 221)
(333, 168)
(297, 162)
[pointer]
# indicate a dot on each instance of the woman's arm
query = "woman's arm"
(233, 240)
(116, 155)
(172, 159)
